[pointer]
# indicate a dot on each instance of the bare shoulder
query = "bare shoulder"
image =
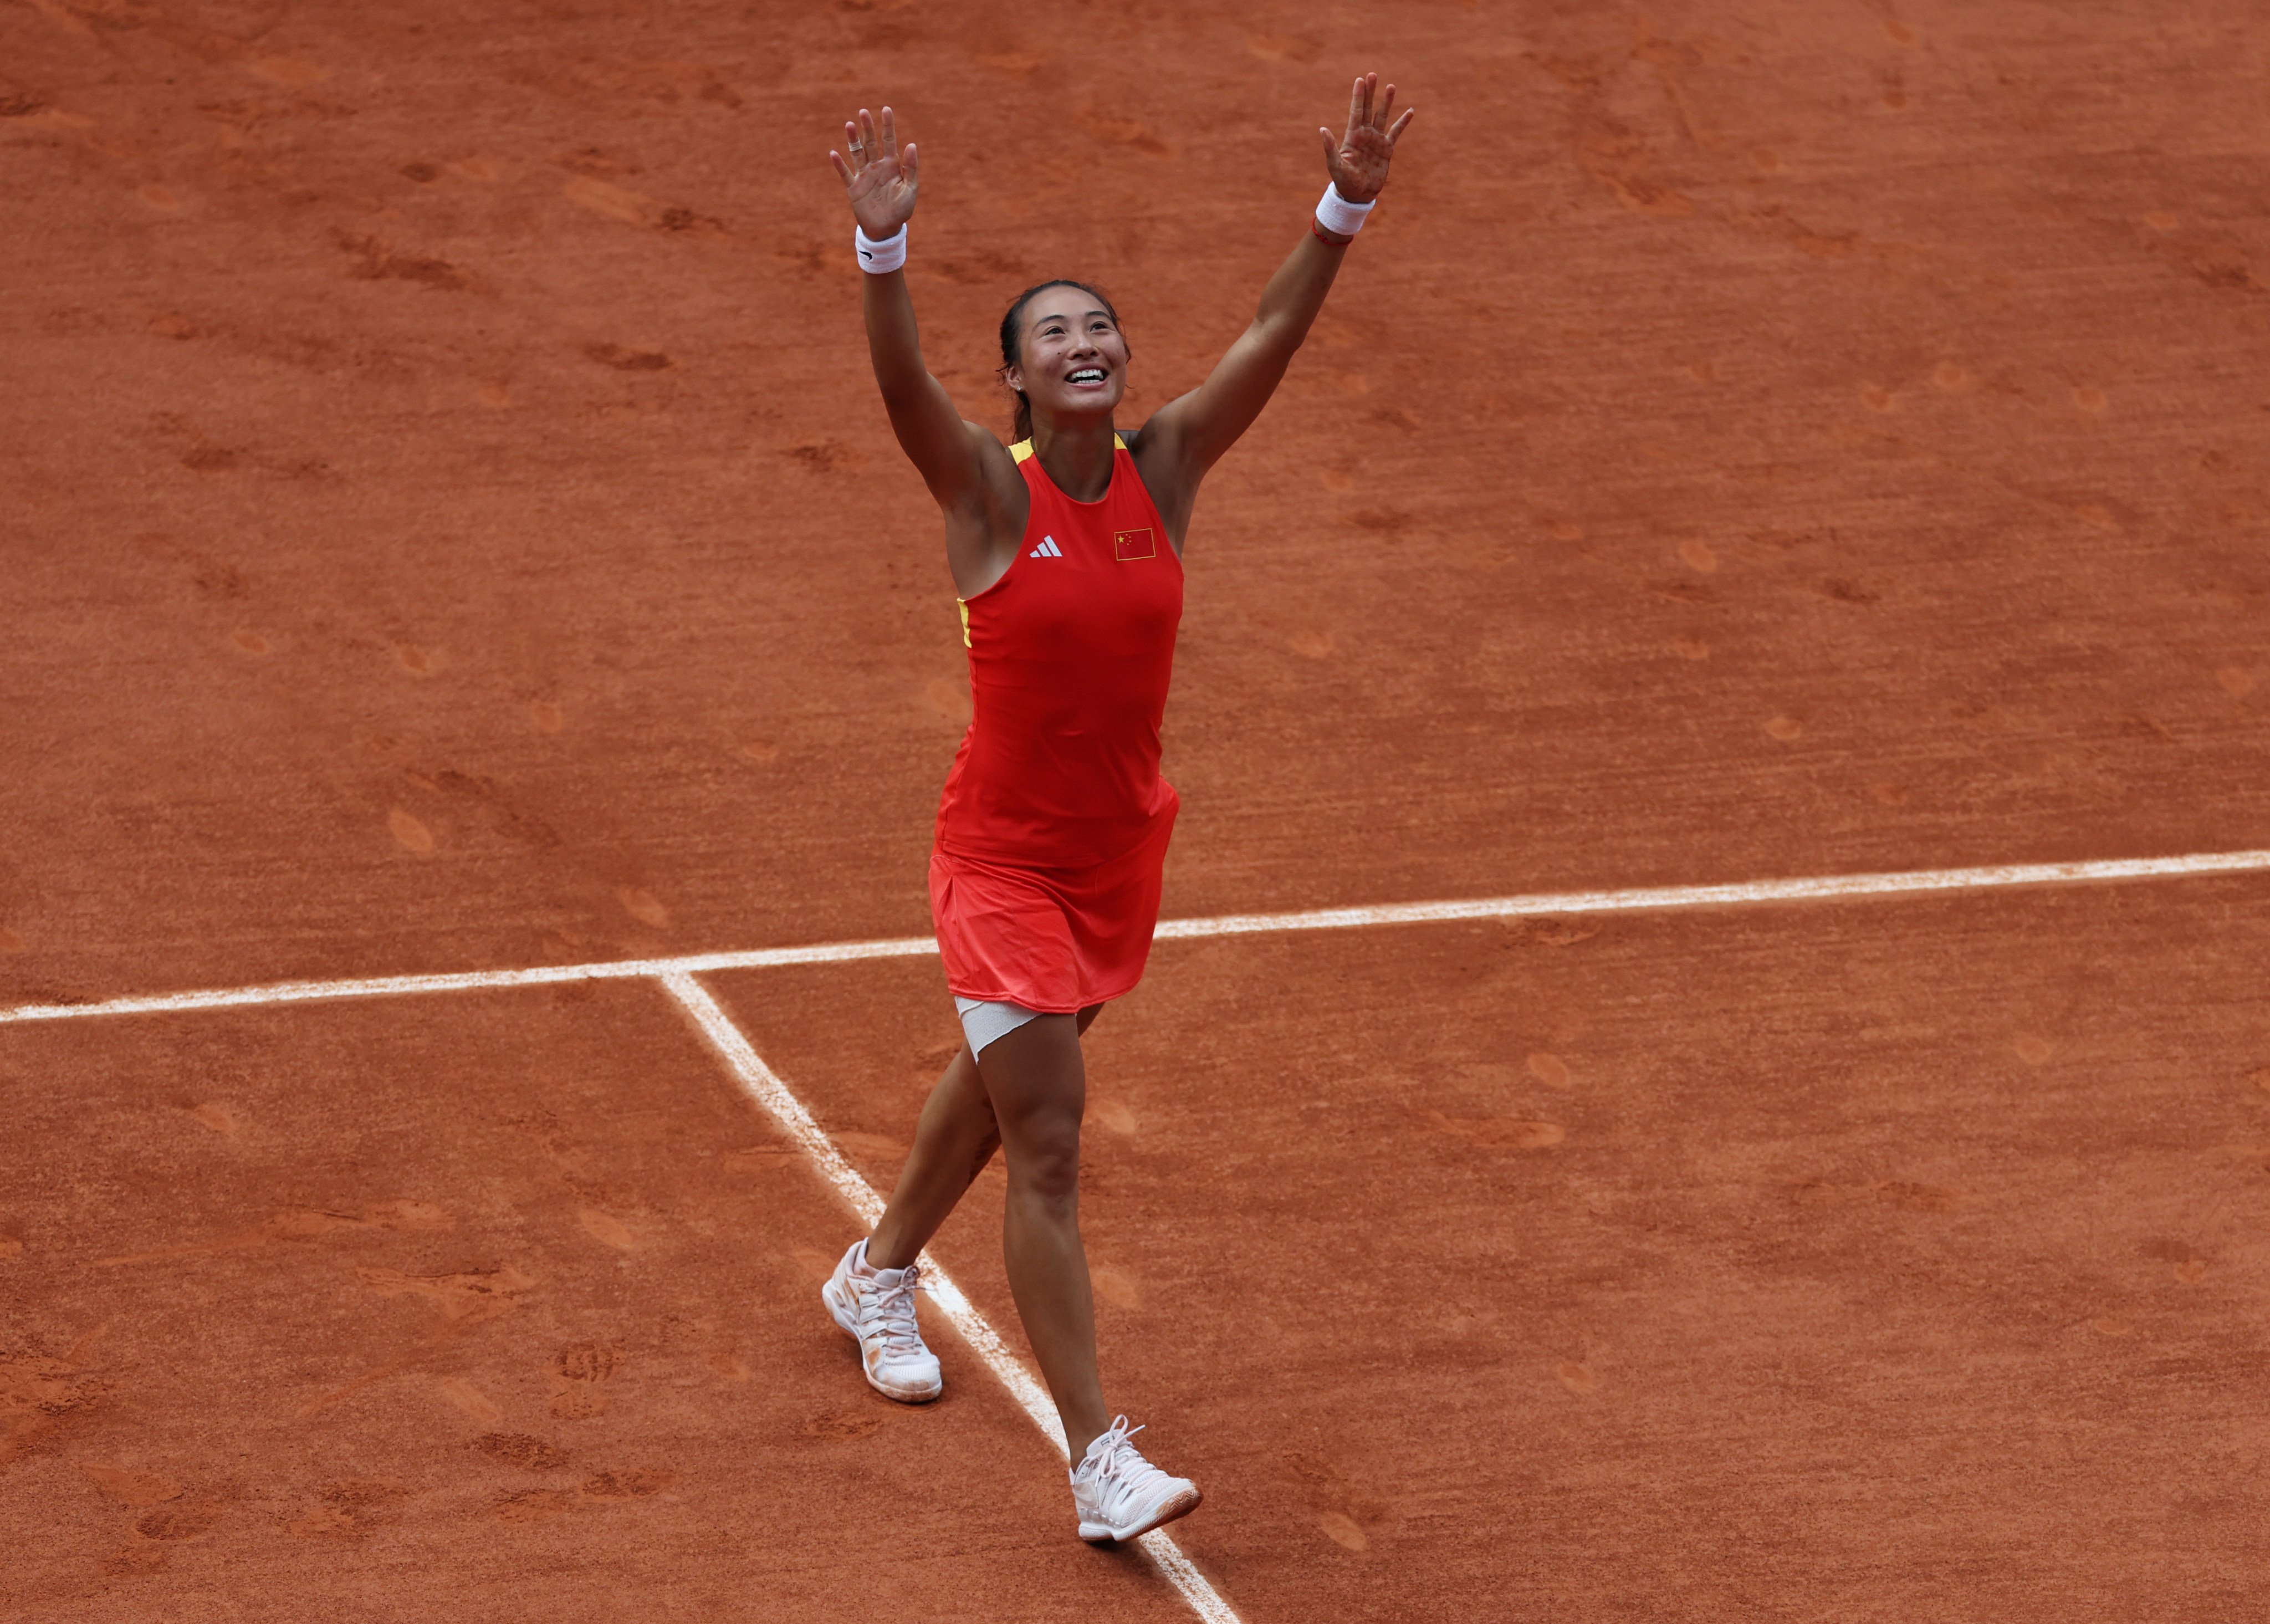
(1000, 487)
(982, 531)
(1163, 461)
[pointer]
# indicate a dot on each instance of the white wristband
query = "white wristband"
(876, 257)
(1338, 216)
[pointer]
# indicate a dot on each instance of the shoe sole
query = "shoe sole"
(840, 1311)
(1180, 1506)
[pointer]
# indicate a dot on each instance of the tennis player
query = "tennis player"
(1066, 550)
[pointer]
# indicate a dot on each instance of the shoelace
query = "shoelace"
(892, 1309)
(1120, 1470)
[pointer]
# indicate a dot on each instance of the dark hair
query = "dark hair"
(1012, 336)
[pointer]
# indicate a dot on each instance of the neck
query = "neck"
(1077, 457)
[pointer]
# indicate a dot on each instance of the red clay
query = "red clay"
(449, 524)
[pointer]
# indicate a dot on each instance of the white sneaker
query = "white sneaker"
(1119, 1495)
(876, 1308)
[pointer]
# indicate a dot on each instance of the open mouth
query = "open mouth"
(1086, 374)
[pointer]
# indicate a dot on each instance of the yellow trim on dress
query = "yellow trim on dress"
(1023, 449)
(964, 603)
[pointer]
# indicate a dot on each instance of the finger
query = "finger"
(1396, 134)
(1355, 107)
(1386, 106)
(907, 165)
(890, 133)
(841, 168)
(868, 145)
(1331, 145)
(1370, 83)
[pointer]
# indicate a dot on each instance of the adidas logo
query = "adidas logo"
(1047, 549)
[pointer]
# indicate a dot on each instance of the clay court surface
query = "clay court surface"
(448, 527)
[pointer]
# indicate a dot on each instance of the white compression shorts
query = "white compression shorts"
(982, 1022)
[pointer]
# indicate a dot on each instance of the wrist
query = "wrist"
(1337, 215)
(878, 255)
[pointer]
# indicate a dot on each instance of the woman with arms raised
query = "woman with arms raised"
(1067, 551)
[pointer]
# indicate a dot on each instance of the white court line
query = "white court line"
(1652, 899)
(467, 981)
(764, 1086)
(1662, 897)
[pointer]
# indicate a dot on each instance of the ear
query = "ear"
(1013, 376)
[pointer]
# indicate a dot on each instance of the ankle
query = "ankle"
(879, 1256)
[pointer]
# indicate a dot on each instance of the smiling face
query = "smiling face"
(1072, 361)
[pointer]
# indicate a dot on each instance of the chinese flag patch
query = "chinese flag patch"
(1130, 545)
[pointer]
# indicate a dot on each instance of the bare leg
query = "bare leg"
(954, 1141)
(1039, 1090)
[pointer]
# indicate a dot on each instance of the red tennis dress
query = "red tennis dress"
(1052, 832)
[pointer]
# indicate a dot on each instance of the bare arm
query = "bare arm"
(1187, 436)
(951, 454)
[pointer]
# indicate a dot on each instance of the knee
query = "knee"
(1044, 1159)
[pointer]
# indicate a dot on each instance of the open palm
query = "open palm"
(1357, 159)
(879, 181)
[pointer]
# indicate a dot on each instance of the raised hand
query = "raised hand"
(880, 182)
(1357, 159)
